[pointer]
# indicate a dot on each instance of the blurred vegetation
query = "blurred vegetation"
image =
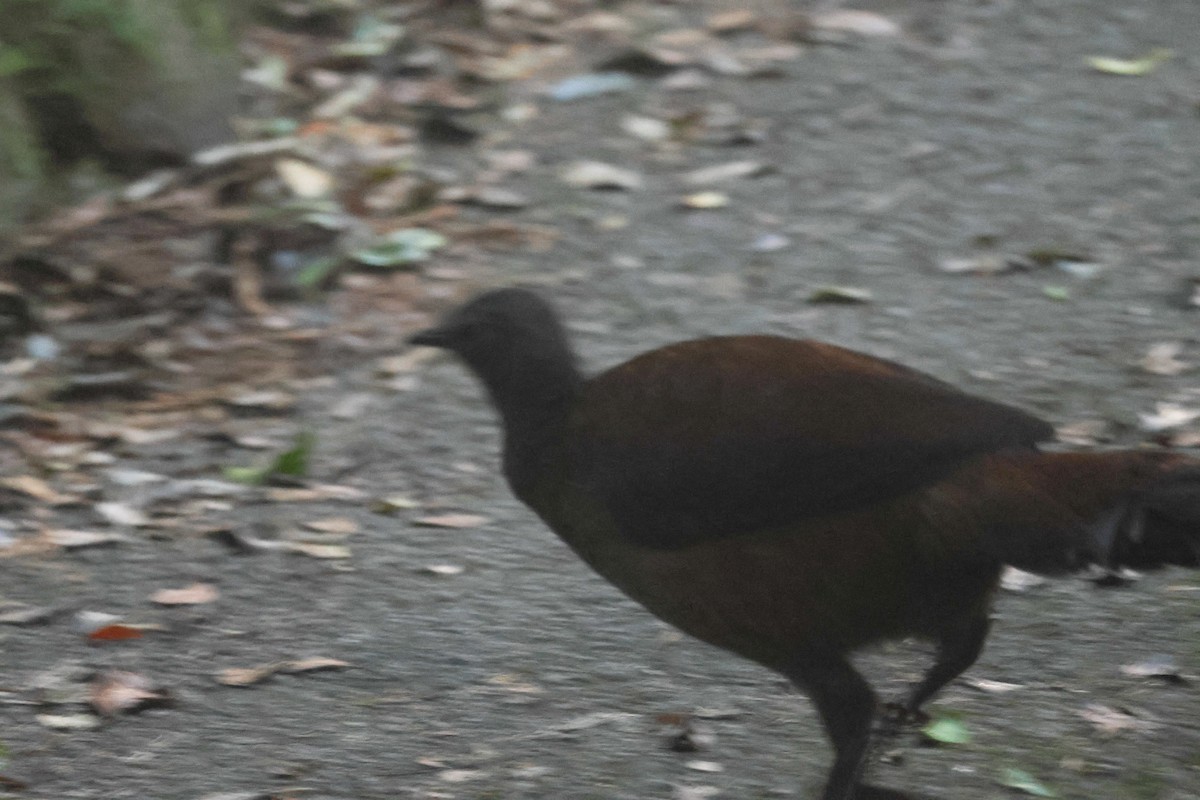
(124, 84)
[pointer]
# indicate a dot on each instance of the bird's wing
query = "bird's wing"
(732, 435)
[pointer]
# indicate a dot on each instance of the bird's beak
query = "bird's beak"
(431, 337)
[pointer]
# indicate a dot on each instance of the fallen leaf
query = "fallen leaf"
(1163, 359)
(451, 521)
(400, 247)
(195, 594)
(705, 766)
(314, 664)
(648, 129)
(1161, 667)
(947, 728)
(335, 526)
(1167, 416)
(591, 84)
(598, 175)
(304, 179)
(723, 173)
(1109, 721)
(731, 21)
(1022, 781)
(705, 200)
(315, 550)
(863, 23)
(992, 687)
(248, 676)
(115, 633)
(36, 488)
(1018, 580)
(122, 514)
(116, 691)
(1133, 67)
(69, 722)
(840, 295)
(434, 569)
(77, 540)
(29, 615)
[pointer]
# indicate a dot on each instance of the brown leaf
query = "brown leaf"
(118, 691)
(863, 23)
(115, 633)
(335, 526)
(191, 595)
(1110, 721)
(314, 664)
(237, 676)
(36, 488)
(77, 540)
(452, 521)
(246, 676)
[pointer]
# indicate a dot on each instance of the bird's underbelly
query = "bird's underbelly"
(837, 582)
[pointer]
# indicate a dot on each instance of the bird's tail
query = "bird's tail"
(1054, 513)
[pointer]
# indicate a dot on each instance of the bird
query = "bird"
(794, 502)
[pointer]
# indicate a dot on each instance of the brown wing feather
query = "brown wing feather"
(717, 437)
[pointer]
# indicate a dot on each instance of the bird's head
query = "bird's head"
(504, 334)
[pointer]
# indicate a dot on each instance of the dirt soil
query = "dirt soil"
(978, 133)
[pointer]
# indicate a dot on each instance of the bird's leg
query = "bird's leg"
(957, 650)
(846, 704)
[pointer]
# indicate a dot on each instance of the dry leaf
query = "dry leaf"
(77, 540)
(335, 526)
(116, 691)
(195, 594)
(314, 664)
(1110, 721)
(237, 676)
(115, 633)
(313, 550)
(36, 488)
(1162, 667)
(1163, 359)
(452, 521)
(69, 722)
(598, 175)
(1018, 580)
(705, 200)
(246, 676)
(438, 569)
(863, 23)
(1167, 416)
(722, 173)
(992, 687)
(303, 178)
(122, 514)
(28, 615)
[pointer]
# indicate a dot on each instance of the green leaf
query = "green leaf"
(947, 727)
(316, 271)
(292, 462)
(248, 475)
(1059, 293)
(400, 247)
(1022, 781)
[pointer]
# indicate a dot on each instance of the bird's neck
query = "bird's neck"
(534, 397)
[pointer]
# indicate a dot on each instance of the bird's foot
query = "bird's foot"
(894, 717)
